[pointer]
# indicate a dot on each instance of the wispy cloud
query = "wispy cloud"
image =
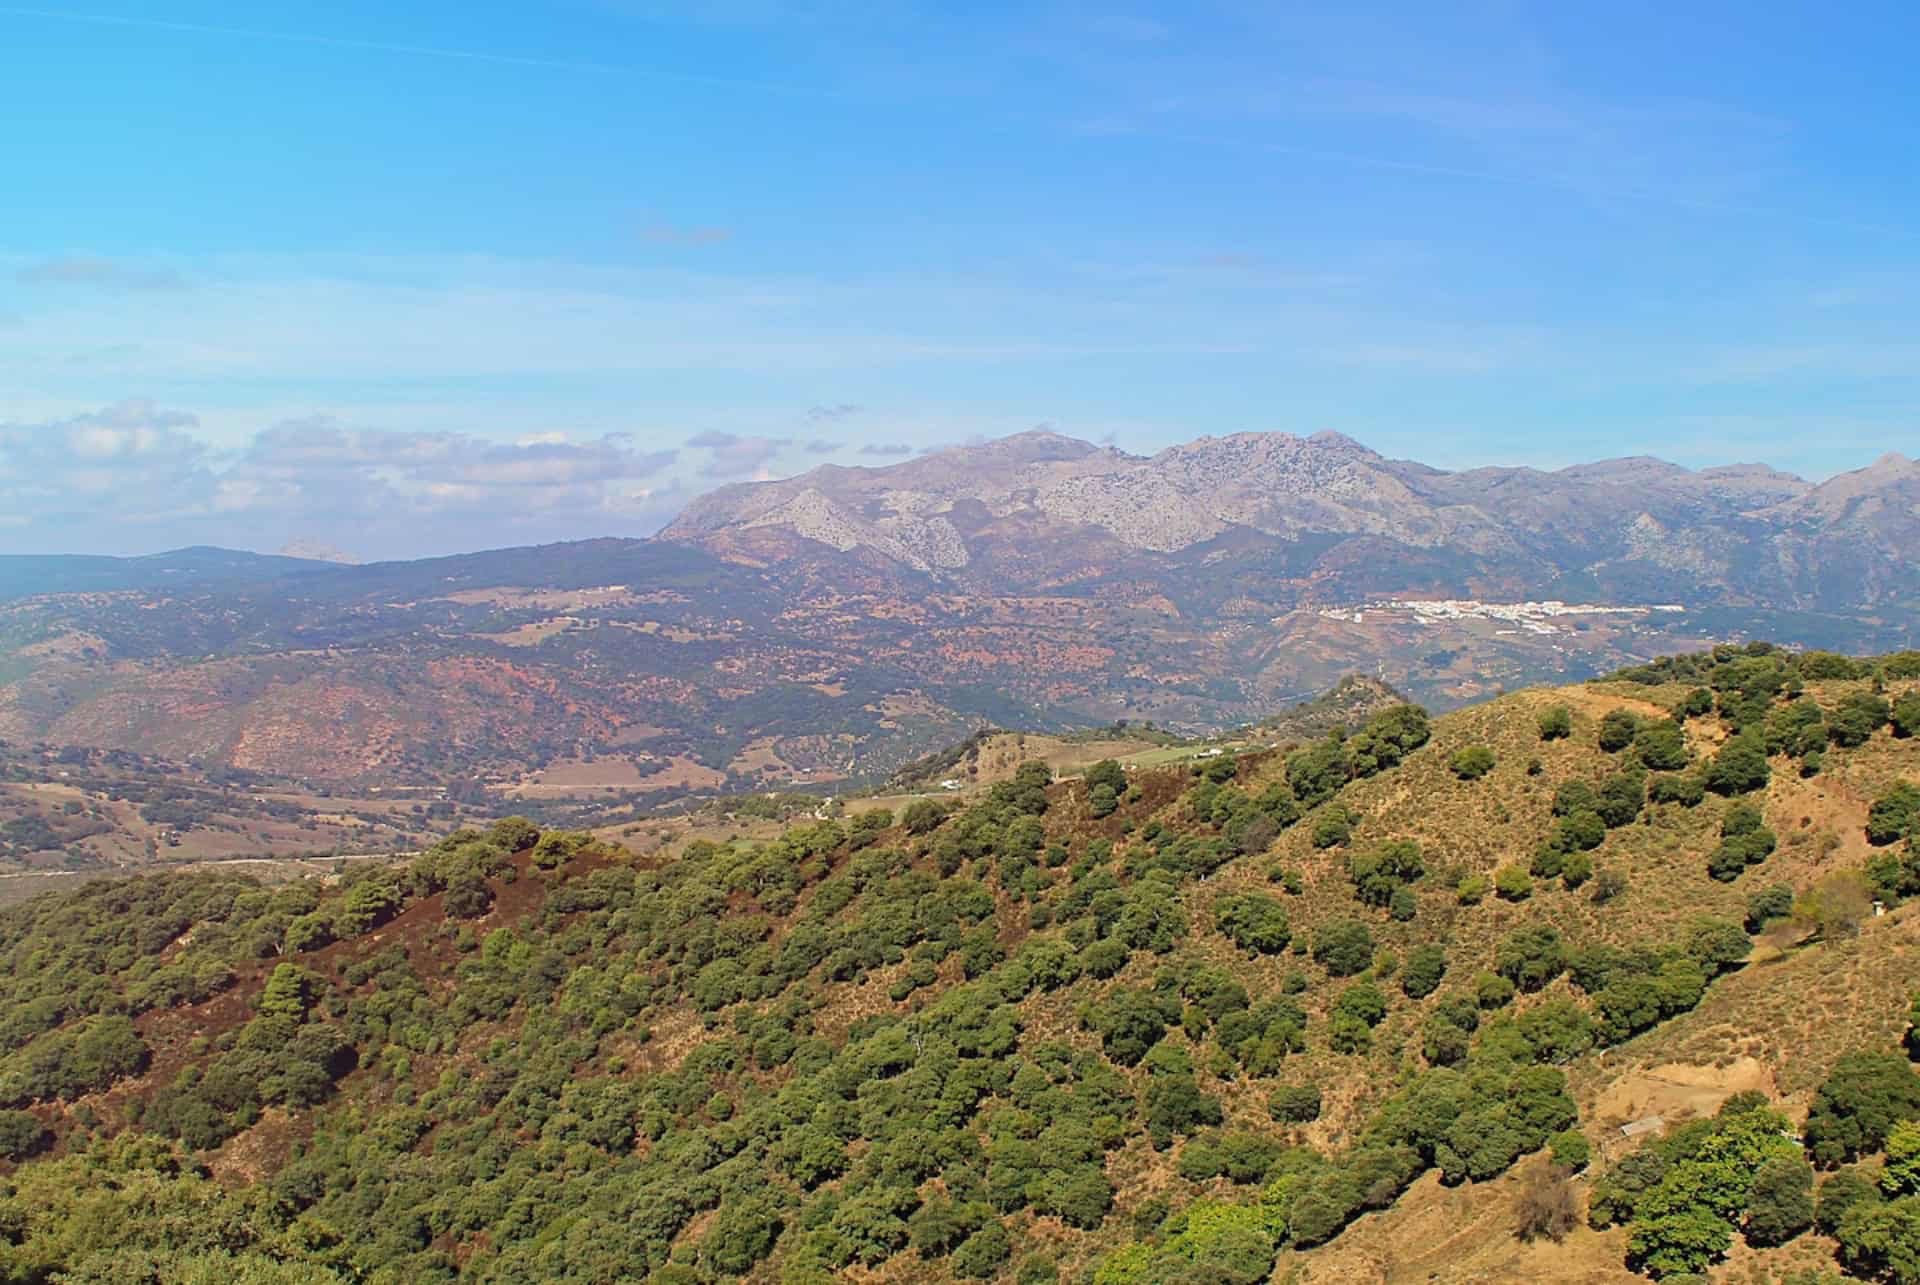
(98, 272)
(661, 232)
(731, 455)
(887, 448)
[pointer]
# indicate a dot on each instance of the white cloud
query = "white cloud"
(133, 475)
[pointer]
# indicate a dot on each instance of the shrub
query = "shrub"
(1576, 870)
(1607, 884)
(1545, 1204)
(1570, 1149)
(1685, 788)
(1556, 723)
(1472, 889)
(1512, 883)
(1472, 763)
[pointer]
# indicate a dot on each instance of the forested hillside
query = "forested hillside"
(1224, 1022)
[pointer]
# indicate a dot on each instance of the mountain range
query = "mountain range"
(1323, 518)
(836, 625)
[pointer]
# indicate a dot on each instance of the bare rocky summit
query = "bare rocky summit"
(1334, 518)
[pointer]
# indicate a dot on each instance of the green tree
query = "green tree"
(1839, 1192)
(1556, 723)
(1901, 1174)
(1618, 727)
(1472, 763)
(1343, 947)
(981, 1255)
(1906, 715)
(1883, 1240)
(1781, 1206)
(513, 834)
(1109, 773)
(1688, 1240)
(1384, 868)
(1739, 768)
(1864, 1096)
(1767, 905)
(1661, 746)
(1424, 968)
(1531, 957)
(1332, 827)
(922, 816)
(21, 1135)
(1102, 801)
(1294, 1103)
(1892, 816)
(1252, 922)
(1857, 717)
(468, 897)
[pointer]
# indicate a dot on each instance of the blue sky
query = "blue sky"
(412, 278)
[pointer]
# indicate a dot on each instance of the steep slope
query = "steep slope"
(1263, 1016)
